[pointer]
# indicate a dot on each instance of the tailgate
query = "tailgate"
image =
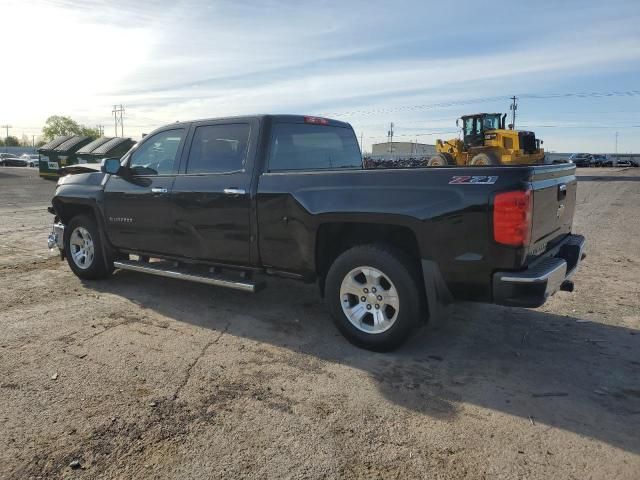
(554, 200)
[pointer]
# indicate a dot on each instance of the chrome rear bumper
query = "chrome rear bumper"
(543, 278)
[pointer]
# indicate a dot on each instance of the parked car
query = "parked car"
(621, 162)
(5, 156)
(598, 160)
(12, 161)
(219, 201)
(581, 159)
(33, 160)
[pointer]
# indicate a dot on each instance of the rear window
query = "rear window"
(298, 146)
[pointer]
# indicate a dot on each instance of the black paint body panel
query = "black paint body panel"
(274, 225)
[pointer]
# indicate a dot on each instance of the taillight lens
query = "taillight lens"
(512, 217)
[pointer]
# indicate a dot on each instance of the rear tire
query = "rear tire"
(83, 248)
(375, 296)
(484, 159)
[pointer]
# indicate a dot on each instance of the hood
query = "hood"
(80, 168)
(84, 177)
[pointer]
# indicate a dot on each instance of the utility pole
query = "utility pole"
(100, 129)
(616, 143)
(118, 111)
(6, 127)
(513, 108)
(390, 138)
(361, 142)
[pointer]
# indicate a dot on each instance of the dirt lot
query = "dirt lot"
(143, 377)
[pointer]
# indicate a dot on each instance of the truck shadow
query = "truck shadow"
(582, 377)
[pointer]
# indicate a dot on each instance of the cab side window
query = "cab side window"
(478, 126)
(468, 126)
(301, 146)
(158, 154)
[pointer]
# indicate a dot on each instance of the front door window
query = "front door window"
(158, 154)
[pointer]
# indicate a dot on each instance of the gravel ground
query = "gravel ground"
(144, 377)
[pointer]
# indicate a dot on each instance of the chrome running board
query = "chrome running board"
(170, 270)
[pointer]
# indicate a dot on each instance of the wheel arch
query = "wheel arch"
(334, 238)
(66, 210)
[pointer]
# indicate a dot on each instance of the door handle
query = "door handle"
(159, 190)
(234, 191)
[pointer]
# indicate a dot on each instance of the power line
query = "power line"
(533, 96)
(412, 135)
(582, 126)
(538, 96)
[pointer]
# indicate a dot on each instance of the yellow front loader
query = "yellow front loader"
(486, 141)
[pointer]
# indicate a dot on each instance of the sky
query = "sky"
(574, 65)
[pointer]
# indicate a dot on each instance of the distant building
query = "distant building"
(403, 148)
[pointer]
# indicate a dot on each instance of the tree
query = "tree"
(58, 125)
(25, 141)
(90, 132)
(11, 141)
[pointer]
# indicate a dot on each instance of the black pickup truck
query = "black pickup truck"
(220, 201)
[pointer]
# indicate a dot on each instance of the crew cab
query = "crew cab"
(225, 201)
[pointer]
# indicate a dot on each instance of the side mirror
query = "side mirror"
(457, 123)
(111, 166)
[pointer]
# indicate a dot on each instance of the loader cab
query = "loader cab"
(474, 126)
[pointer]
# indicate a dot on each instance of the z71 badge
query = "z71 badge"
(474, 179)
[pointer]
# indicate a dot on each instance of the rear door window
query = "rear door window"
(219, 148)
(298, 146)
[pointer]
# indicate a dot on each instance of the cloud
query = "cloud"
(183, 59)
(384, 81)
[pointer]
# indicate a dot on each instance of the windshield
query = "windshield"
(491, 122)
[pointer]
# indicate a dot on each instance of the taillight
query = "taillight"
(512, 217)
(316, 120)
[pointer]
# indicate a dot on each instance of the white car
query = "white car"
(33, 160)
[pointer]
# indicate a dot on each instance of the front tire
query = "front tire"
(83, 248)
(484, 159)
(374, 294)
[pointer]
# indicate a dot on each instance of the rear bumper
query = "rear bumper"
(543, 278)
